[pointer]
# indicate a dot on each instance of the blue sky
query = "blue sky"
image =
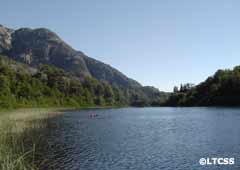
(157, 42)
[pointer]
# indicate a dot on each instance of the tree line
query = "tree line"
(49, 86)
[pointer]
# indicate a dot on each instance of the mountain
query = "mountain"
(36, 47)
(42, 46)
(221, 89)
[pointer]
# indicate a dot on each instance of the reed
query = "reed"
(20, 137)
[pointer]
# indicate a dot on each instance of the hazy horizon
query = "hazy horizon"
(158, 43)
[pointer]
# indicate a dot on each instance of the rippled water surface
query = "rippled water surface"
(143, 139)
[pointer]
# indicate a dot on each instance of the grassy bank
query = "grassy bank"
(19, 139)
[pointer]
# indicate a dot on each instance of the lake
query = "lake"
(143, 139)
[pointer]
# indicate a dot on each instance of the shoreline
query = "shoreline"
(26, 124)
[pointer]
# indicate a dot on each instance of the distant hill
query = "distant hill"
(35, 47)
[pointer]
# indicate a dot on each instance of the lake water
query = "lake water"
(143, 139)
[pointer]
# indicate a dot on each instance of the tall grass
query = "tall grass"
(20, 140)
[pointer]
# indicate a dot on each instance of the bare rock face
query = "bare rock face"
(5, 39)
(42, 46)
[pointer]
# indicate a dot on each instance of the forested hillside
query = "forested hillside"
(24, 86)
(221, 89)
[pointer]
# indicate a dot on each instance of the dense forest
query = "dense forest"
(46, 86)
(221, 89)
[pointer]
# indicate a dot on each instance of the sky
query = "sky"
(161, 43)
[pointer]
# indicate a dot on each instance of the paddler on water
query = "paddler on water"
(92, 115)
